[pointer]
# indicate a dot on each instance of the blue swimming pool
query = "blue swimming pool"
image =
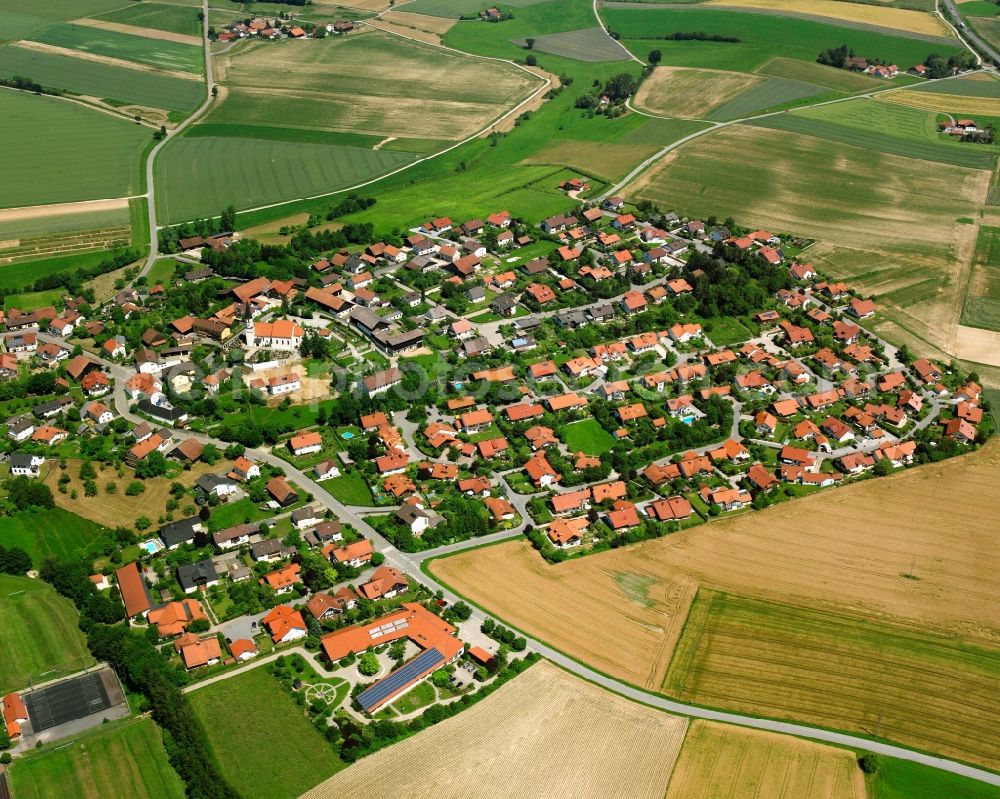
(347, 435)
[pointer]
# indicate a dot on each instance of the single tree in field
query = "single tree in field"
(655, 56)
(529, 44)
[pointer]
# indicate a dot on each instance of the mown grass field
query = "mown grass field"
(840, 671)
(762, 38)
(251, 714)
(587, 436)
(39, 632)
(978, 84)
(901, 779)
(21, 19)
(124, 759)
(770, 93)
(176, 19)
(455, 8)
(840, 80)
(198, 177)
(138, 49)
(587, 44)
(103, 162)
(56, 533)
(101, 80)
(597, 744)
(370, 83)
(719, 761)
(694, 93)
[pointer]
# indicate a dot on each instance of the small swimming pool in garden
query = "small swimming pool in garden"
(152, 546)
(347, 435)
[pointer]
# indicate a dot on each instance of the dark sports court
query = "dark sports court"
(71, 699)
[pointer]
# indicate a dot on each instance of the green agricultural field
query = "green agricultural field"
(214, 130)
(151, 52)
(770, 93)
(251, 714)
(197, 177)
(841, 672)
(39, 632)
(23, 19)
(867, 124)
(104, 81)
(176, 19)
(55, 533)
(840, 80)
(370, 83)
(124, 759)
(103, 162)
(762, 38)
(589, 44)
(64, 223)
(587, 437)
(982, 305)
(977, 85)
(901, 779)
(21, 274)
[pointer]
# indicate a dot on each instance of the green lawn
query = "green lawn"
(762, 37)
(726, 330)
(151, 52)
(101, 79)
(350, 488)
(198, 177)
(54, 533)
(39, 631)
(260, 739)
(234, 513)
(420, 696)
(41, 168)
(587, 436)
(124, 759)
(162, 270)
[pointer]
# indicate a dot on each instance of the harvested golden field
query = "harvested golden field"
(945, 103)
(840, 670)
(723, 762)
(977, 345)
(116, 510)
(847, 550)
(373, 83)
(424, 22)
(545, 733)
(886, 223)
(691, 93)
(894, 18)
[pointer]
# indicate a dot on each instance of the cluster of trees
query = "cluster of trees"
(940, 67)
(735, 282)
(695, 36)
(25, 494)
(14, 560)
(38, 384)
(616, 89)
(836, 56)
(73, 281)
(351, 204)
(500, 633)
(27, 84)
(71, 579)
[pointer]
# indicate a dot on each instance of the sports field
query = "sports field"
(841, 671)
(198, 177)
(39, 630)
(762, 37)
(692, 93)
(868, 14)
(719, 761)
(260, 739)
(54, 533)
(101, 80)
(847, 550)
(124, 759)
(156, 53)
(104, 160)
(545, 733)
(372, 83)
(587, 44)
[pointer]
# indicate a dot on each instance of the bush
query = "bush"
(868, 763)
(134, 488)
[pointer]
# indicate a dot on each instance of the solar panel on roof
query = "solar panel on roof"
(424, 662)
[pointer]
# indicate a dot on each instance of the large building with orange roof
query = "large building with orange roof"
(412, 621)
